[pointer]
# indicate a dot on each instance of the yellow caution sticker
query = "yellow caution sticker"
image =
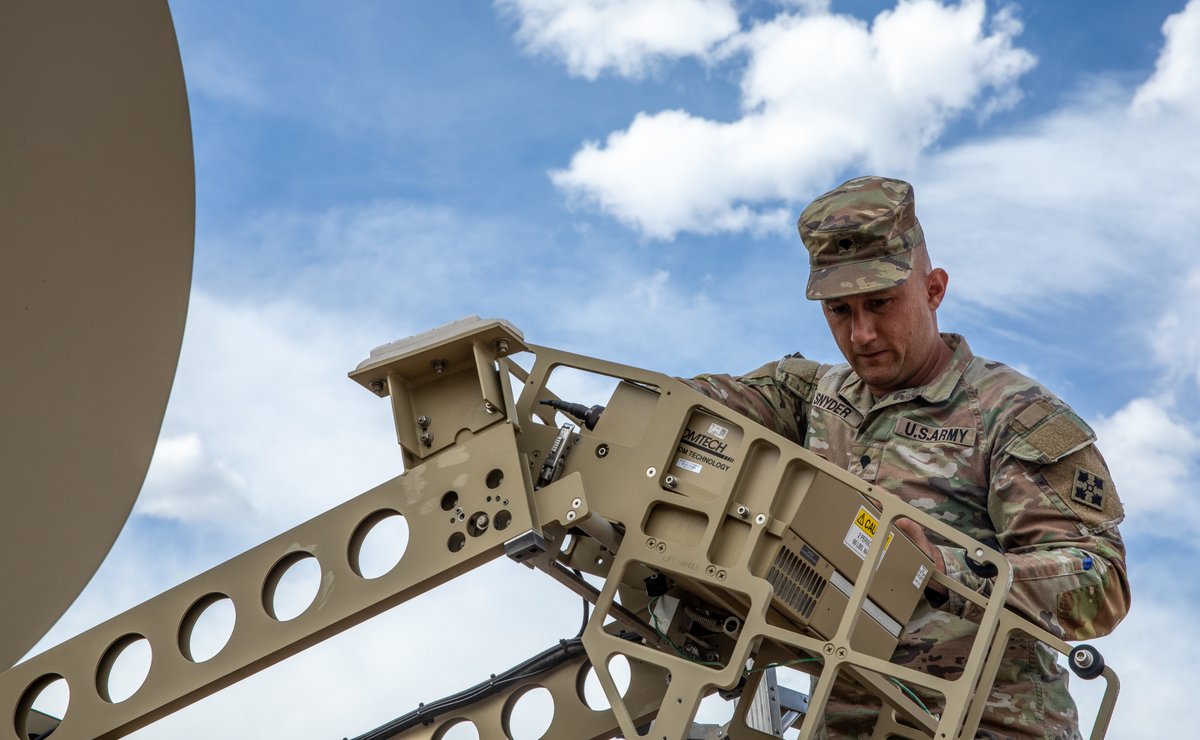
(861, 532)
(866, 522)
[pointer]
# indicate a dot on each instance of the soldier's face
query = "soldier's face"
(890, 337)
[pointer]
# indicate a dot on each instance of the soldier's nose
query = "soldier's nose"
(862, 330)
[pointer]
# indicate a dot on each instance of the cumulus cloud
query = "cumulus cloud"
(815, 89)
(622, 37)
(188, 485)
(1176, 79)
(1154, 458)
(1174, 339)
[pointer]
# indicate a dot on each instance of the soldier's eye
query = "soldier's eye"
(837, 308)
(877, 303)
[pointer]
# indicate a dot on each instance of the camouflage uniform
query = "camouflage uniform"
(990, 452)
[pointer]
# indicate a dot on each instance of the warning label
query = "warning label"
(921, 573)
(861, 532)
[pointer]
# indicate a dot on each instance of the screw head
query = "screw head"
(502, 347)
(670, 481)
(423, 421)
(760, 519)
(489, 407)
(426, 439)
(602, 451)
(651, 542)
(841, 652)
(439, 366)
(743, 512)
(711, 570)
(570, 516)
(576, 502)
(377, 387)
(651, 472)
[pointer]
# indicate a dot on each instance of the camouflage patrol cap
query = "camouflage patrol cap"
(860, 237)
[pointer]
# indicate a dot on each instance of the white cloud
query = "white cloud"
(1176, 79)
(815, 91)
(186, 484)
(1153, 458)
(1174, 339)
(624, 37)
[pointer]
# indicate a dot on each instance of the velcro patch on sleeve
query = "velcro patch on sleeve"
(800, 375)
(1082, 481)
(1054, 437)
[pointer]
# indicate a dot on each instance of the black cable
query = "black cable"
(586, 613)
(550, 658)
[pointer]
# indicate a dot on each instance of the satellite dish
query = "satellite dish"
(97, 216)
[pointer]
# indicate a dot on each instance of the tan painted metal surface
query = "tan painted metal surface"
(96, 232)
(614, 492)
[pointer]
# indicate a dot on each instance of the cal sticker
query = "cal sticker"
(717, 430)
(921, 573)
(689, 465)
(861, 532)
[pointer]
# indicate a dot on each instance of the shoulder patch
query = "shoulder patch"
(1082, 481)
(1051, 437)
(799, 375)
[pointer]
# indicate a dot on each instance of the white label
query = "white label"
(858, 541)
(718, 431)
(861, 532)
(921, 573)
(689, 465)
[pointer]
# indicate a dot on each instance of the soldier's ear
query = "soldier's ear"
(935, 287)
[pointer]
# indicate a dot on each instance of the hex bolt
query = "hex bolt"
(377, 387)
(670, 481)
(423, 421)
(427, 439)
(439, 366)
(602, 451)
(502, 347)
(743, 512)
(576, 502)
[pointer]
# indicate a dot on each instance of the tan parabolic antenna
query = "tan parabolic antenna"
(97, 215)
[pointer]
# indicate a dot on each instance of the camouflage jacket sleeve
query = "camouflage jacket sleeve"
(1055, 511)
(775, 395)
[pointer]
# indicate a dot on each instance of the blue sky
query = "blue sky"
(627, 188)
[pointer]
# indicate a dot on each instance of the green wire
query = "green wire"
(663, 636)
(911, 695)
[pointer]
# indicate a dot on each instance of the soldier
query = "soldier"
(972, 442)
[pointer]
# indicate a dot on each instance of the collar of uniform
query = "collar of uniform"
(854, 391)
